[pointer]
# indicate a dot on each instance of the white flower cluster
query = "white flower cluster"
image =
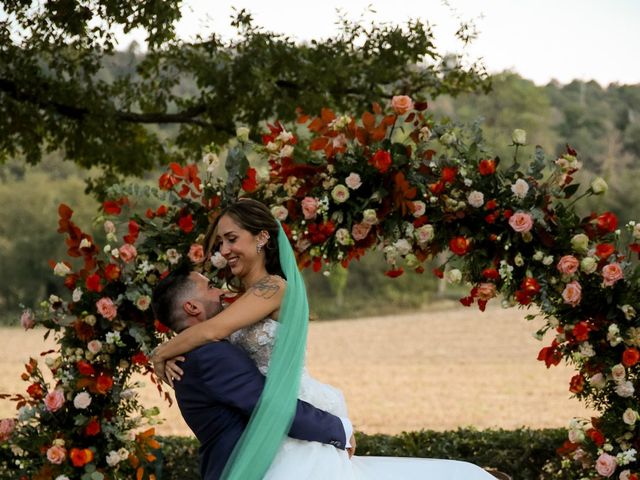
(115, 457)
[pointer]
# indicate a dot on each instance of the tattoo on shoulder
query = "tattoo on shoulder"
(266, 287)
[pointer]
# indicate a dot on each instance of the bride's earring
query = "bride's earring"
(259, 247)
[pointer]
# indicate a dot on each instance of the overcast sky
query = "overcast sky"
(539, 39)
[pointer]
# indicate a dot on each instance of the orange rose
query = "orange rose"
(81, 456)
(104, 383)
(572, 293)
(401, 104)
(459, 245)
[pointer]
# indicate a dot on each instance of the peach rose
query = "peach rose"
(401, 104)
(606, 465)
(56, 454)
(353, 181)
(521, 222)
(196, 253)
(127, 252)
(359, 231)
(486, 291)
(54, 400)
(106, 308)
(7, 425)
(612, 273)
(309, 207)
(568, 265)
(572, 293)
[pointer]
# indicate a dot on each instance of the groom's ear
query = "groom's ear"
(191, 308)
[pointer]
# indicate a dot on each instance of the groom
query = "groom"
(221, 385)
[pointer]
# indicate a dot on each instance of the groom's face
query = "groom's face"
(206, 295)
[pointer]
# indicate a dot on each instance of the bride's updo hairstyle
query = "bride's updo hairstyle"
(253, 216)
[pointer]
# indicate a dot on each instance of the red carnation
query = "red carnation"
(459, 245)
(92, 428)
(93, 283)
(576, 385)
(186, 223)
(630, 357)
(605, 250)
(487, 167)
(381, 160)
(607, 222)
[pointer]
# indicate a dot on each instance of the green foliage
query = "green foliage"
(520, 453)
(64, 87)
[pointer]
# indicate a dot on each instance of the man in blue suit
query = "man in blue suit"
(220, 384)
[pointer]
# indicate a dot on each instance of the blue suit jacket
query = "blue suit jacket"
(217, 393)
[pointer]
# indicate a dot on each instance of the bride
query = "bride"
(268, 319)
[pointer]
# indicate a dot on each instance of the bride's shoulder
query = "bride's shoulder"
(270, 286)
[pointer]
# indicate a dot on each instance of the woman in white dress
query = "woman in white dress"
(271, 327)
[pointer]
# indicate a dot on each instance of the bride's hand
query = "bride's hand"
(352, 450)
(172, 370)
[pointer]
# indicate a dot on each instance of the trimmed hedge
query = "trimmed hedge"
(521, 453)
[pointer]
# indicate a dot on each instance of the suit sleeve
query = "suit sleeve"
(231, 378)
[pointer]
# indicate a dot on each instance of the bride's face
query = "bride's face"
(238, 246)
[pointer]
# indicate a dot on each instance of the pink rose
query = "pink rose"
(359, 231)
(606, 465)
(196, 253)
(54, 400)
(56, 454)
(27, 320)
(401, 104)
(127, 252)
(612, 273)
(7, 425)
(106, 308)
(486, 291)
(572, 293)
(309, 207)
(353, 181)
(568, 265)
(521, 222)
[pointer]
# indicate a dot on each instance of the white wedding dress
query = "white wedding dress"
(302, 460)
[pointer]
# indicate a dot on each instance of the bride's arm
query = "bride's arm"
(261, 300)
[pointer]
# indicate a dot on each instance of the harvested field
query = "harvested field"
(428, 370)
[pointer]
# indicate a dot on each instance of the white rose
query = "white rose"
(419, 208)
(82, 400)
(598, 381)
(425, 134)
(580, 243)
(538, 256)
(625, 389)
(453, 276)
(218, 261)
(94, 346)
(211, 161)
(636, 231)
(618, 373)
(613, 335)
(402, 246)
(173, 256)
(340, 193)
(77, 294)
(242, 133)
(143, 302)
(353, 181)
(370, 217)
(518, 260)
(588, 265)
(586, 349)
(343, 237)
(630, 416)
(123, 453)
(109, 227)
(548, 260)
(113, 458)
(629, 311)
(390, 254)
(520, 188)
(280, 213)
(287, 151)
(424, 234)
(475, 199)
(576, 435)
(625, 475)
(599, 186)
(61, 270)
(519, 137)
(448, 138)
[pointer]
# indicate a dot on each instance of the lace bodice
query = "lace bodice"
(258, 341)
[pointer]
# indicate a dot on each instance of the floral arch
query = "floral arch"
(393, 179)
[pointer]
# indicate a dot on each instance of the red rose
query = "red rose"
(381, 160)
(605, 250)
(438, 272)
(487, 167)
(81, 456)
(139, 358)
(104, 383)
(92, 428)
(85, 368)
(35, 391)
(93, 283)
(134, 231)
(459, 245)
(161, 211)
(394, 273)
(111, 208)
(490, 274)
(596, 436)
(186, 223)
(249, 184)
(491, 204)
(112, 272)
(448, 174)
(576, 385)
(530, 285)
(581, 331)
(630, 357)
(607, 222)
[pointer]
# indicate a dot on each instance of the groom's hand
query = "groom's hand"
(352, 449)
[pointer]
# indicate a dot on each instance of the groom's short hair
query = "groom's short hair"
(168, 296)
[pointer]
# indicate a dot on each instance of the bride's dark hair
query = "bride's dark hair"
(253, 216)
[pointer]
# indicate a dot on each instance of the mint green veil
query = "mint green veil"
(272, 417)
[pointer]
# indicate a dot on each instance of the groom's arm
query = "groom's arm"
(233, 379)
